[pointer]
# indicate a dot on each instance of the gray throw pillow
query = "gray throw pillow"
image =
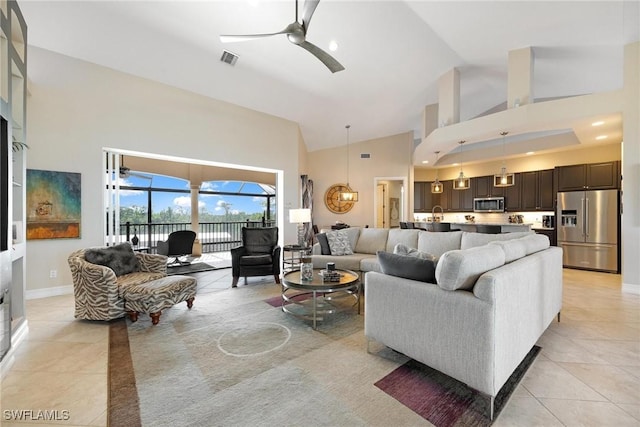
(408, 267)
(324, 244)
(120, 258)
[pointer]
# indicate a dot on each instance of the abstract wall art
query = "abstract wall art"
(53, 205)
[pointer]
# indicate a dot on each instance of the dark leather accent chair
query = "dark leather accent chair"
(259, 255)
(178, 244)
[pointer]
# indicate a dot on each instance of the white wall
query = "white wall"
(390, 157)
(76, 108)
(631, 171)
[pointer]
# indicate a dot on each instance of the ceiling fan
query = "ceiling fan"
(296, 32)
(125, 172)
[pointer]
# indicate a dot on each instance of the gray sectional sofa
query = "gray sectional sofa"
(492, 298)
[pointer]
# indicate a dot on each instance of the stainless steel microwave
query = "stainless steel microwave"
(488, 204)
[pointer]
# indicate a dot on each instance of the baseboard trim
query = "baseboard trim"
(630, 288)
(49, 292)
(16, 339)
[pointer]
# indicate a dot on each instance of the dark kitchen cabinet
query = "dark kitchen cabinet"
(483, 187)
(423, 199)
(512, 194)
(456, 200)
(551, 234)
(592, 176)
(537, 191)
(445, 196)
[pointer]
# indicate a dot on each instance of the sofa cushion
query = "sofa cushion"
(406, 237)
(459, 269)
(472, 239)
(513, 249)
(408, 267)
(339, 243)
(120, 258)
(324, 244)
(536, 243)
(345, 262)
(371, 240)
(370, 263)
(438, 242)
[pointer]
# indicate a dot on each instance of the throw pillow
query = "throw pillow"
(401, 249)
(339, 243)
(407, 267)
(120, 258)
(324, 244)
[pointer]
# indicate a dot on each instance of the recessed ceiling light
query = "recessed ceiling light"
(530, 153)
(598, 123)
(456, 164)
(425, 162)
(601, 137)
(333, 45)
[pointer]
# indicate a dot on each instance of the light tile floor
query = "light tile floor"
(588, 373)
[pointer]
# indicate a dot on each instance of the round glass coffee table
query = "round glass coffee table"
(314, 300)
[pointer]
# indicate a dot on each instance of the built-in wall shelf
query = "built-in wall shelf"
(13, 72)
(18, 251)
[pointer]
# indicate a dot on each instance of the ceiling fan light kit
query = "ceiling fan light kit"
(296, 33)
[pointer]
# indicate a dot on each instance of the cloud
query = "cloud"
(185, 202)
(208, 186)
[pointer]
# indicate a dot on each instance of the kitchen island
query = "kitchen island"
(506, 227)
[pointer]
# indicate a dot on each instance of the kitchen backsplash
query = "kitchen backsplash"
(533, 218)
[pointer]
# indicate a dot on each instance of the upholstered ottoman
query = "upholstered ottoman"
(152, 297)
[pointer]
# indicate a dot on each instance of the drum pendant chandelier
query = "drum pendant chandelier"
(461, 182)
(504, 179)
(350, 195)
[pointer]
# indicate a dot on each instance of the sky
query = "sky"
(182, 202)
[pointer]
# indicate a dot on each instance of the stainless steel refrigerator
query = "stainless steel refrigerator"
(588, 228)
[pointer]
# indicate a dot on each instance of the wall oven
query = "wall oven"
(488, 204)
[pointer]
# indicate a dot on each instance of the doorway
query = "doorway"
(390, 203)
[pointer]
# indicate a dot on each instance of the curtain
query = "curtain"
(307, 203)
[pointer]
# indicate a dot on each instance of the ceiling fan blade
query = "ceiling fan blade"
(140, 175)
(328, 60)
(307, 12)
(226, 38)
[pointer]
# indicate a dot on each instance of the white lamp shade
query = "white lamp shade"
(299, 216)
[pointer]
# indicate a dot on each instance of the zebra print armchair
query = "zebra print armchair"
(98, 291)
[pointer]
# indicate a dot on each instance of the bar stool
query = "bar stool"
(488, 229)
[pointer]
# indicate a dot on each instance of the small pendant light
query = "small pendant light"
(504, 179)
(461, 182)
(436, 186)
(349, 195)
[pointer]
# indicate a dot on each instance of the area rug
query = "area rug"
(123, 404)
(236, 359)
(444, 401)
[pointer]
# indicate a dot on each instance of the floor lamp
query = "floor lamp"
(300, 217)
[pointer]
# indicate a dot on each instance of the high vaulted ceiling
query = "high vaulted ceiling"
(394, 53)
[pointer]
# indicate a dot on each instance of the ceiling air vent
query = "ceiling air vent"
(365, 155)
(229, 57)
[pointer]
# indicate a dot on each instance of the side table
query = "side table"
(296, 252)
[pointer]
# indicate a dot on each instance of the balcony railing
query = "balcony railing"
(214, 236)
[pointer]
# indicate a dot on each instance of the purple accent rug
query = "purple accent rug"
(444, 401)
(277, 300)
